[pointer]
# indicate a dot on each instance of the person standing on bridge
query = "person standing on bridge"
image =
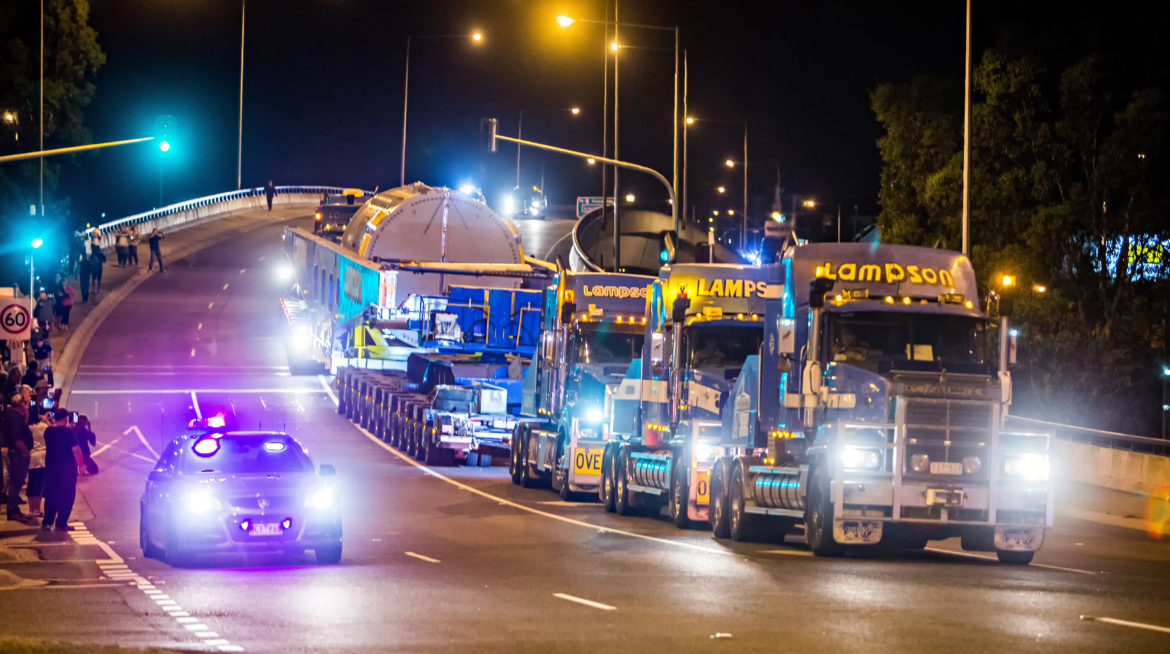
(155, 253)
(62, 461)
(133, 251)
(18, 437)
(270, 192)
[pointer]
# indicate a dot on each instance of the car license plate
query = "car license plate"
(587, 460)
(702, 487)
(266, 529)
(946, 468)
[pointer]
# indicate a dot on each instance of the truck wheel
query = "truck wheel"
(432, 453)
(419, 433)
(623, 503)
(606, 491)
(741, 525)
(562, 473)
(1014, 557)
(527, 479)
(978, 539)
(818, 516)
(514, 454)
(717, 510)
(679, 494)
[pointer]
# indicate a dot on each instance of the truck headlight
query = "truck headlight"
(972, 465)
(322, 498)
(593, 415)
(857, 457)
(301, 337)
(705, 452)
(1030, 467)
(920, 463)
(200, 501)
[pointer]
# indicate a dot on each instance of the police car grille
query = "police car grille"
(274, 502)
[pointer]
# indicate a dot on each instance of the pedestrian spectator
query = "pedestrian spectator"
(58, 296)
(96, 260)
(44, 313)
(66, 307)
(122, 246)
(86, 439)
(155, 253)
(31, 376)
(43, 354)
(133, 246)
(83, 275)
(270, 192)
(35, 489)
(19, 440)
(11, 383)
(62, 461)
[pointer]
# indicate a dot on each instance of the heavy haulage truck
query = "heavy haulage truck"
(872, 414)
(592, 327)
(702, 322)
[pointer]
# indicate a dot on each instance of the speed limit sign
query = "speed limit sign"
(15, 320)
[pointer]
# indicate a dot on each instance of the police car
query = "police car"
(228, 491)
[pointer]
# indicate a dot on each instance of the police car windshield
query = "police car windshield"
(865, 339)
(602, 344)
(720, 346)
(244, 454)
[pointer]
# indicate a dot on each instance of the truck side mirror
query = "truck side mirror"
(567, 311)
(817, 290)
(678, 313)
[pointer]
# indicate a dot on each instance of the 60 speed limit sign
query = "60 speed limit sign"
(15, 320)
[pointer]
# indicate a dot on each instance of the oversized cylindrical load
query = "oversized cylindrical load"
(650, 472)
(424, 224)
(777, 491)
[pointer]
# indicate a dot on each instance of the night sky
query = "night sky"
(324, 84)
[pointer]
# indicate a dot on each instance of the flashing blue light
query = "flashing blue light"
(274, 446)
(36, 243)
(1166, 372)
(1014, 332)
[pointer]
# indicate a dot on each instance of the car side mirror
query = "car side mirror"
(157, 475)
(327, 470)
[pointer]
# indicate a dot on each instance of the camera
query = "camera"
(74, 416)
(47, 403)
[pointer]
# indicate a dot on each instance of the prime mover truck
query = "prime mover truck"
(872, 413)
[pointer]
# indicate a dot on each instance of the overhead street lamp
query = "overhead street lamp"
(731, 163)
(566, 21)
(476, 37)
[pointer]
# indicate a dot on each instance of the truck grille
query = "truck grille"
(948, 431)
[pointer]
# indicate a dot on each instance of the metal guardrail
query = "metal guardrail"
(1099, 437)
(578, 252)
(212, 206)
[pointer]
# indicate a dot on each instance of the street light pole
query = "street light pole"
(240, 129)
(743, 233)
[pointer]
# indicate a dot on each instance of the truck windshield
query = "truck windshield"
(601, 343)
(453, 399)
(722, 346)
(867, 339)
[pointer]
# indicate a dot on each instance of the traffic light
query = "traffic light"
(666, 247)
(164, 131)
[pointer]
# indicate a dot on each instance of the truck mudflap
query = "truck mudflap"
(585, 475)
(1019, 539)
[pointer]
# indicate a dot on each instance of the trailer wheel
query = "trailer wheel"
(514, 453)
(1014, 557)
(432, 453)
(818, 516)
(527, 479)
(606, 492)
(623, 501)
(717, 509)
(562, 473)
(679, 494)
(741, 525)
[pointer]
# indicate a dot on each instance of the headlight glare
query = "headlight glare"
(705, 451)
(920, 463)
(1030, 467)
(322, 498)
(856, 457)
(200, 501)
(593, 415)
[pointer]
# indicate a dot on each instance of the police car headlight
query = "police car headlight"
(920, 463)
(705, 452)
(320, 499)
(1029, 467)
(856, 457)
(593, 415)
(200, 501)
(301, 337)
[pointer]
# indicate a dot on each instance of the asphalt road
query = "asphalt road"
(459, 559)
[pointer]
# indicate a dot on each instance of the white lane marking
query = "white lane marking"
(159, 373)
(199, 626)
(210, 304)
(242, 270)
(199, 327)
(1127, 623)
(988, 557)
(144, 458)
(105, 447)
(788, 552)
(138, 432)
(184, 391)
(546, 514)
(421, 557)
(192, 353)
(328, 388)
(195, 404)
(582, 600)
(207, 634)
(225, 287)
(187, 620)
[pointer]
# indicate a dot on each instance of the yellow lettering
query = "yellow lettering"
(826, 271)
(870, 273)
(717, 288)
(702, 290)
(929, 275)
(733, 288)
(945, 278)
(914, 276)
(762, 289)
(749, 288)
(894, 273)
(847, 272)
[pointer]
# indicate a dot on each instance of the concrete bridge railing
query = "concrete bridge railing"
(193, 212)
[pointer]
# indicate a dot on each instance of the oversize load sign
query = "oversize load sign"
(15, 320)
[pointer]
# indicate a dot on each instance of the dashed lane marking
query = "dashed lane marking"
(522, 507)
(192, 353)
(225, 286)
(1127, 623)
(105, 447)
(787, 552)
(114, 567)
(199, 327)
(195, 404)
(211, 304)
(421, 557)
(184, 391)
(586, 602)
